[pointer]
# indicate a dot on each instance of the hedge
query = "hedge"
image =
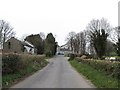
(16, 67)
(109, 67)
(12, 63)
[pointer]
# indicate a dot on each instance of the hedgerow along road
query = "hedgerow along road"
(57, 74)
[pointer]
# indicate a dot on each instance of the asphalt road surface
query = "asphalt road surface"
(57, 74)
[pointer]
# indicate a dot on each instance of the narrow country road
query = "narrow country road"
(57, 74)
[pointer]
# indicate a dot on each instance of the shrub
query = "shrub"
(10, 63)
(72, 56)
(48, 54)
(32, 59)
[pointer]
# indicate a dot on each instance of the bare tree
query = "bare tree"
(77, 42)
(117, 44)
(0, 36)
(7, 31)
(23, 37)
(42, 35)
(115, 34)
(82, 42)
(89, 45)
(70, 40)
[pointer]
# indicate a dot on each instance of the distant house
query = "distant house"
(14, 45)
(64, 49)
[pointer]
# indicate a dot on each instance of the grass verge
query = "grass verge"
(98, 78)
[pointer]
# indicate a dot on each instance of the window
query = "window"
(9, 45)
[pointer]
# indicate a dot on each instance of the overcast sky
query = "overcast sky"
(57, 16)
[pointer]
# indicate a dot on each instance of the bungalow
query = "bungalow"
(14, 45)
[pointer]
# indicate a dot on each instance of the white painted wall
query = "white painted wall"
(28, 49)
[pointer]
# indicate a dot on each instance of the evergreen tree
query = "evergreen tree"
(50, 45)
(99, 39)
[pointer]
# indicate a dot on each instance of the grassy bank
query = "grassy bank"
(98, 78)
(26, 65)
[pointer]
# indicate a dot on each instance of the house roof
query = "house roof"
(26, 43)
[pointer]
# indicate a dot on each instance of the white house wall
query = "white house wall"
(28, 49)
